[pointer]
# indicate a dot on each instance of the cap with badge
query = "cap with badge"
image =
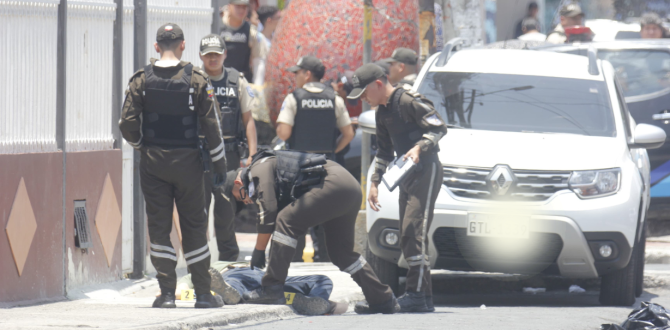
(364, 76)
(310, 63)
(212, 43)
(571, 10)
(403, 55)
(168, 32)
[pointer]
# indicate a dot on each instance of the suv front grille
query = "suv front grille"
(529, 186)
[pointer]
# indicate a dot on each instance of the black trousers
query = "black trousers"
(224, 213)
(170, 177)
(334, 205)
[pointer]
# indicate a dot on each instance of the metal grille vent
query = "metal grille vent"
(82, 232)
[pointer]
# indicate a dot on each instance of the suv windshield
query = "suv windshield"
(640, 72)
(516, 103)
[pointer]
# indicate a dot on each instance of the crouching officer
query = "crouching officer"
(295, 191)
(409, 125)
(235, 101)
(166, 104)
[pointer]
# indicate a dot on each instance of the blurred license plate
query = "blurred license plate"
(492, 225)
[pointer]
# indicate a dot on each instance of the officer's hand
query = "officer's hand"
(258, 259)
(372, 197)
(218, 180)
(249, 160)
(414, 153)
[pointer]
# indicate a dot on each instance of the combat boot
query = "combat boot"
(220, 287)
(165, 300)
(389, 307)
(413, 302)
(208, 300)
(268, 295)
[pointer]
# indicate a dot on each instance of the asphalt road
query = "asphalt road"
(460, 298)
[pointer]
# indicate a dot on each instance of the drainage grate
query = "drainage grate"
(82, 233)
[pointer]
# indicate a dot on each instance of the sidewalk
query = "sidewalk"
(657, 250)
(127, 305)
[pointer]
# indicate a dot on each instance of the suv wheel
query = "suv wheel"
(618, 287)
(639, 269)
(387, 272)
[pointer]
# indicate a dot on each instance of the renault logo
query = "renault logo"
(500, 179)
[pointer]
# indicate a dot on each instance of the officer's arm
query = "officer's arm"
(210, 122)
(256, 51)
(385, 153)
(246, 102)
(427, 118)
(130, 123)
(344, 124)
(266, 198)
(284, 131)
(286, 117)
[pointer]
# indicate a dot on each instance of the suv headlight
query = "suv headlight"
(599, 183)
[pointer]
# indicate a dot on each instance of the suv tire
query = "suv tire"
(618, 288)
(387, 272)
(639, 269)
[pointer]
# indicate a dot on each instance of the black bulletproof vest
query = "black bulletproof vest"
(227, 93)
(314, 128)
(169, 118)
(405, 133)
(237, 48)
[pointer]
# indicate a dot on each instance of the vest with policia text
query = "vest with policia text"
(237, 48)
(404, 131)
(169, 118)
(315, 124)
(227, 93)
(296, 172)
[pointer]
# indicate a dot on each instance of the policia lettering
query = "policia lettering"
(315, 122)
(296, 191)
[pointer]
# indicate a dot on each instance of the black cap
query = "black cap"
(403, 55)
(212, 43)
(364, 76)
(310, 63)
(168, 32)
(571, 10)
(385, 65)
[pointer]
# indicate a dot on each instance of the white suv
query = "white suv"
(545, 171)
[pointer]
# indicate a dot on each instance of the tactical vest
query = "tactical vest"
(227, 93)
(237, 48)
(315, 124)
(404, 132)
(296, 172)
(169, 119)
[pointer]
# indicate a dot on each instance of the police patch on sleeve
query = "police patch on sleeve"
(434, 120)
(250, 92)
(283, 105)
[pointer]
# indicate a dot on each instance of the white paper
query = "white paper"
(396, 173)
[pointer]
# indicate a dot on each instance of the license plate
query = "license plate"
(493, 225)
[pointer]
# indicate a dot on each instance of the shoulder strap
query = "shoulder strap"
(233, 76)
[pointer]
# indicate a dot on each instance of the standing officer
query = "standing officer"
(295, 191)
(166, 104)
(402, 69)
(408, 124)
(242, 40)
(310, 115)
(235, 100)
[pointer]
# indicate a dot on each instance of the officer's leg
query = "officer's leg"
(299, 248)
(158, 196)
(284, 243)
(224, 225)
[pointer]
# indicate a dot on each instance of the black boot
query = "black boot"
(220, 287)
(389, 307)
(413, 302)
(208, 300)
(165, 300)
(429, 304)
(268, 295)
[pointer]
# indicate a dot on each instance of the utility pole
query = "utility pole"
(366, 139)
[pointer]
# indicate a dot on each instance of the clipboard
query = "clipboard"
(398, 171)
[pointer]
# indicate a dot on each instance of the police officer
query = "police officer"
(402, 69)
(310, 115)
(235, 100)
(408, 124)
(241, 39)
(166, 103)
(571, 15)
(295, 191)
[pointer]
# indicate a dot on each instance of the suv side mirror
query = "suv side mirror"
(648, 137)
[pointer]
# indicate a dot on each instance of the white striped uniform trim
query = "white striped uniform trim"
(163, 255)
(194, 260)
(261, 212)
(433, 137)
(426, 213)
(284, 239)
(196, 252)
(381, 164)
(216, 158)
(217, 149)
(356, 266)
(165, 248)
